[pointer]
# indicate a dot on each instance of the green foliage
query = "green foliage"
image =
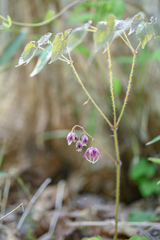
(12, 47)
(140, 216)
(94, 238)
(141, 172)
(138, 238)
(142, 169)
(2, 174)
(97, 10)
(77, 35)
(155, 160)
(135, 22)
(156, 139)
(5, 25)
(42, 61)
(144, 33)
(156, 28)
(105, 33)
(59, 45)
(31, 48)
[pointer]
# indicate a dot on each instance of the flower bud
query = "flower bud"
(84, 139)
(79, 145)
(71, 137)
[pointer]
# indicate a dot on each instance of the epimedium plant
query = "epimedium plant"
(103, 35)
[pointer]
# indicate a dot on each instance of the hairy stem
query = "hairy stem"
(117, 181)
(128, 89)
(89, 96)
(111, 84)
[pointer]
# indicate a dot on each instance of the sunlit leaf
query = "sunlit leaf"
(155, 160)
(105, 33)
(119, 24)
(42, 61)
(144, 33)
(156, 27)
(156, 139)
(135, 22)
(77, 35)
(28, 53)
(59, 45)
(44, 39)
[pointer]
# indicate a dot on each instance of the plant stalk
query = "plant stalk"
(118, 166)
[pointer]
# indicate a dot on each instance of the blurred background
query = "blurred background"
(37, 113)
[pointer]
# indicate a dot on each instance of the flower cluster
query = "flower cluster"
(92, 154)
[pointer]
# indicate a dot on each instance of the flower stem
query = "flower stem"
(128, 89)
(83, 87)
(118, 166)
(111, 84)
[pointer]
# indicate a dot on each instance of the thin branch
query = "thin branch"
(47, 21)
(89, 96)
(128, 89)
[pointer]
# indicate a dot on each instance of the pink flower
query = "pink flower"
(84, 139)
(72, 137)
(92, 152)
(79, 145)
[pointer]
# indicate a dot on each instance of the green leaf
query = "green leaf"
(140, 216)
(12, 48)
(105, 33)
(142, 168)
(155, 160)
(9, 21)
(144, 33)
(94, 238)
(59, 45)
(148, 187)
(156, 27)
(42, 61)
(138, 238)
(28, 53)
(137, 19)
(77, 35)
(156, 139)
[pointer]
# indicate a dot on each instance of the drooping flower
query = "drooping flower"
(93, 154)
(84, 139)
(79, 146)
(72, 137)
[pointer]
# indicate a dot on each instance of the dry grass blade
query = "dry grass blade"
(58, 206)
(28, 208)
(21, 205)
